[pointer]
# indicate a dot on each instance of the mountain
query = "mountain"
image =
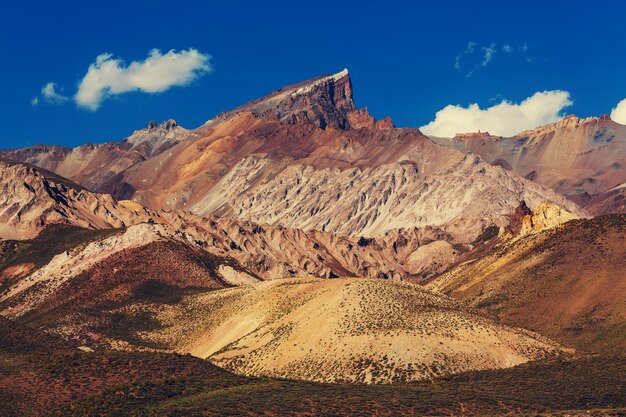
(305, 157)
(129, 269)
(583, 159)
(567, 282)
(36, 201)
(92, 165)
(162, 279)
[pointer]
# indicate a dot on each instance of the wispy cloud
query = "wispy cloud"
(109, 76)
(488, 53)
(503, 119)
(50, 94)
(469, 50)
(475, 57)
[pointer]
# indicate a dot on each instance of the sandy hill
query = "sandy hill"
(350, 330)
(567, 283)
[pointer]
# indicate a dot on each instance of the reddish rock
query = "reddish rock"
(384, 123)
(361, 118)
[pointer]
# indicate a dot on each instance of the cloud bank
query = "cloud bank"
(109, 76)
(619, 112)
(503, 119)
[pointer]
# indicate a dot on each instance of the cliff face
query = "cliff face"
(322, 102)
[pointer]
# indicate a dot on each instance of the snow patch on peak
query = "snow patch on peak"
(335, 77)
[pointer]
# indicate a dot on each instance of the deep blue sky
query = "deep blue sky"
(401, 57)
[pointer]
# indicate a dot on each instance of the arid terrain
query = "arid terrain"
(296, 256)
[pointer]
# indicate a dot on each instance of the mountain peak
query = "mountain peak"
(322, 101)
(166, 125)
(571, 121)
(320, 81)
(325, 101)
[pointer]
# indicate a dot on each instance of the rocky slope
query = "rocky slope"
(580, 158)
(371, 202)
(36, 199)
(31, 198)
(567, 283)
(77, 283)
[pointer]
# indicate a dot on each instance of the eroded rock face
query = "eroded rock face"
(524, 221)
(371, 202)
(30, 199)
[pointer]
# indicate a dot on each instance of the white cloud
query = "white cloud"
(109, 76)
(51, 95)
(503, 119)
(507, 48)
(619, 112)
(34, 101)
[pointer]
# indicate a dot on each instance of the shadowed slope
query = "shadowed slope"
(66, 381)
(567, 283)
